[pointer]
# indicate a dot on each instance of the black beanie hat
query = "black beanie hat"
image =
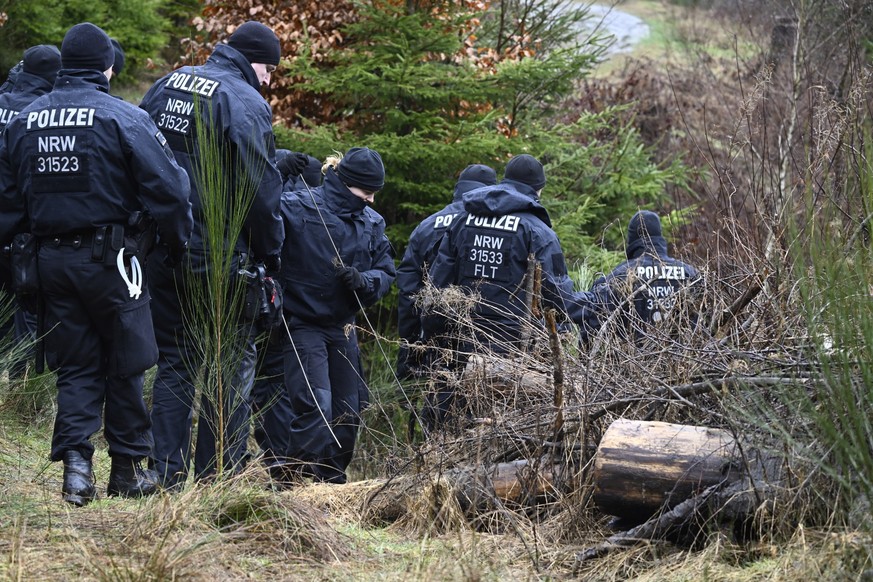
(645, 224)
(479, 173)
(257, 43)
(362, 167)
(42, 60)
(86, 46)
(118, 63)
(527, 170)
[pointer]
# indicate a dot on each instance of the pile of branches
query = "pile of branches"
(543, 408)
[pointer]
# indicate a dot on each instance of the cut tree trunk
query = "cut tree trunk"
(505, 376)
(473, 489)
(641, 467)
(516, 482)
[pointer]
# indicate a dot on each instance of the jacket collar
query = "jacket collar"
(78, 78)
(502, 199)
(31, 84)
(464, 186)
(339, 198)
(228, 57)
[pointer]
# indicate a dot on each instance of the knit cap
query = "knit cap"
(42, 60)
(86, 46)
(257, 43)
(527, 170)
(363, 168)
(645, 224)
(479, 173)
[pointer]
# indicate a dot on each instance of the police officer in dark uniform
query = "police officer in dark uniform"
(485, 250)
(423, 244)
(645, 287)
(224, 93)
(336, 261)
(80, 170)
(37, 76)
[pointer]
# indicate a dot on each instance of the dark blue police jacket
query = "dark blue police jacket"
(420, 250)
(27, 88)
(486, 250)
(320, 223)
(224, 93)
(649, 280)
(78, 158)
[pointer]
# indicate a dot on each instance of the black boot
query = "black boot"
(128, 479)
(78, 486)
(286, 473)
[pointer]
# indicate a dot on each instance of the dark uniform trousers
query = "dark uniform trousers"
(331, 363)
(95, 331)
(173, 397)
(271, 405)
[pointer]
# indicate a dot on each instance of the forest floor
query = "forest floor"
(244, 530)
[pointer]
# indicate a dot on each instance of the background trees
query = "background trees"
(148, 30)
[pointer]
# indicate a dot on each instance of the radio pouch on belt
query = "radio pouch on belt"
(25, 273)
(98, 245)
(115, 233)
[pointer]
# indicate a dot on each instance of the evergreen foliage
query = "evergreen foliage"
(419, 86)
(140, 26)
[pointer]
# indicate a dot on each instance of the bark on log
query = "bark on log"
(642, 466)
(475, 489)
(505, 376)
(515, 482)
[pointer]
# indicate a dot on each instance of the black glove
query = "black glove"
(352, 278)
(273, 264)
(292, 164)
(175, 254)
(411, 361)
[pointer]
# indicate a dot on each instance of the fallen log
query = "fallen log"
(642, 466)
(673, 478)
(472, 489)
(731, 506)
(505, 376)
(516, 482)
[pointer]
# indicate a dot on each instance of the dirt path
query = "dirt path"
(627, 29)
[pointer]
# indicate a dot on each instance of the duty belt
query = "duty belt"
(69, 240)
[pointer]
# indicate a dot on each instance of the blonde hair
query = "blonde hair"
(331, 162)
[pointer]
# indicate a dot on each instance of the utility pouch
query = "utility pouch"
(115, 233)
(98, 245)
(25, 272)
(134, 349)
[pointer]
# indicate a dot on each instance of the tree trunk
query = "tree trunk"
(472, 489)
(515, 482)
(642, 466)
(505, 376)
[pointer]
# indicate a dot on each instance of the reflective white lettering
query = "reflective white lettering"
(61, 117)
(57, 143)
(507, 222)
